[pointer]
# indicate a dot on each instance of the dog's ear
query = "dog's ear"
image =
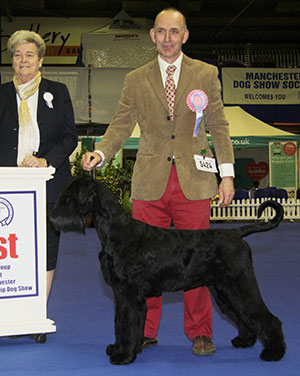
(65, 217)
(72, 206)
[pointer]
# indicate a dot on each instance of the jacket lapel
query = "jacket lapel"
(155, 80)
(41, 101)
(12, 101)
(154, 77)
(184, 80)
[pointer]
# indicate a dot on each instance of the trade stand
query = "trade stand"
(23, 303)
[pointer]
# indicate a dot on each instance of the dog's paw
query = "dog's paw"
(122, 358)
(111, 349)
(243, 342)
(273, 353)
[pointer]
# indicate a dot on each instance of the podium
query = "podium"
(23, 302)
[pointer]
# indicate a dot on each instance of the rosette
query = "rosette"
(48, 97)
(197, 102)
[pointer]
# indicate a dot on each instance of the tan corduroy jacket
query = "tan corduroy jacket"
(143, 100)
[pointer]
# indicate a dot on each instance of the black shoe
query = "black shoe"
(149, 342)
(39, 337)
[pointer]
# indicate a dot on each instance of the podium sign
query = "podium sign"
(23, 301)
(18, 251)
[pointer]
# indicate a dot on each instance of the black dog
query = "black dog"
(140, 261)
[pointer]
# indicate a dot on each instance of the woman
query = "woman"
(37, 127)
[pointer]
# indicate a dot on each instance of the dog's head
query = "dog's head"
(73, 205)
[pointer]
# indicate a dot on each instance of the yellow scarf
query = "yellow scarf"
(26, 128)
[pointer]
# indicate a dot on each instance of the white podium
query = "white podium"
(23, 305)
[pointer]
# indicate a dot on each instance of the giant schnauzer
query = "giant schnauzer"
(140, 261)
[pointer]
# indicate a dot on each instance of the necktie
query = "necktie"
(170, 89)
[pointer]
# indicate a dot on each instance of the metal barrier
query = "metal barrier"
(246, 210)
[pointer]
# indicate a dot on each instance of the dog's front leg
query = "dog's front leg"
(129, 319)
(247, 336)
(143, 308)
(115, 348)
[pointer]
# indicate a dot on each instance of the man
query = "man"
(166, 184)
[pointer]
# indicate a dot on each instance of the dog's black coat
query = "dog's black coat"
(140, 261)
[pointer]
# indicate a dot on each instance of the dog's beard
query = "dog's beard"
(66, 221)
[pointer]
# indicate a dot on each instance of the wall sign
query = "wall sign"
(261, 86)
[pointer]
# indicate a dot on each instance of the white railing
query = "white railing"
(244, 210)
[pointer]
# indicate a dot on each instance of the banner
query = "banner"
(253, 141)
(62, 35)
(261, 86)
(283, 166)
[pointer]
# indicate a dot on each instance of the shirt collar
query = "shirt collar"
(164, 65)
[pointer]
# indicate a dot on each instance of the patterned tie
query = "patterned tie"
(170, 89)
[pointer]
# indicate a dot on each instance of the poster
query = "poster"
(283, 166)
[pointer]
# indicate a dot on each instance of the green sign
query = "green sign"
(283, 165)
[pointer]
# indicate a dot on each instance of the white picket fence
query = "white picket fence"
(245, 210)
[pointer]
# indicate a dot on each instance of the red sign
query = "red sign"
(289, 148)
(257, 171)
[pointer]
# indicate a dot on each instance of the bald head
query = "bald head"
(169, 33)
(171, 12)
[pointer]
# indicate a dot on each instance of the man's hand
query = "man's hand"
(90, 160)
(226, 191)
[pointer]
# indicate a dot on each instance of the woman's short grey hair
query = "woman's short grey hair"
(26, 36)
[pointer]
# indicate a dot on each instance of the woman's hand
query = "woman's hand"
(33, 161)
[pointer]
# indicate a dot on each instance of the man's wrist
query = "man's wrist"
(101, 163)
(227, 177)
(226, 169)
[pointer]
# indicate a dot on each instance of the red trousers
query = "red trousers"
(188, 215)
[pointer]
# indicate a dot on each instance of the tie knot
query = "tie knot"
(171, 69)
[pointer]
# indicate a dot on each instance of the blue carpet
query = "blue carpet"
(82, 307)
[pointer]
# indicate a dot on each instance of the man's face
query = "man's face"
(169, 34)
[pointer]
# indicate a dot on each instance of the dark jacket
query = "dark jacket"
(58, 136)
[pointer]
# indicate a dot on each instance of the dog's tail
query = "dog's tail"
(263, 226)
